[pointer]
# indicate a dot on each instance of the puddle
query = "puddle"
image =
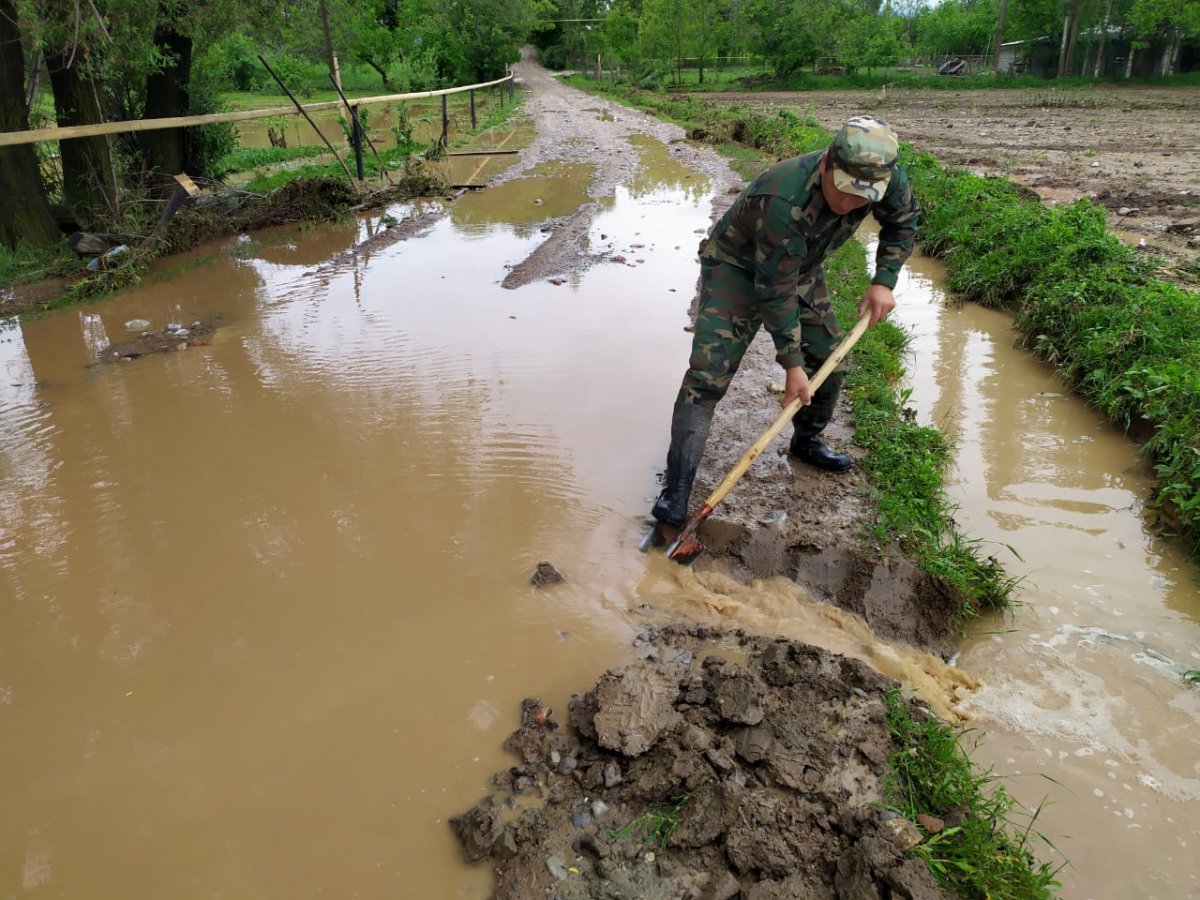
(271, 595)
(1084, 686)
(549, 191)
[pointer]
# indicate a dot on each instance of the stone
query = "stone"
(932, 824)
(557, 867)
(546, 574)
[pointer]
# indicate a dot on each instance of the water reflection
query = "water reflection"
(1084, 687)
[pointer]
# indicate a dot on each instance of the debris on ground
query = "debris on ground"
(173, 336)
(719, 766)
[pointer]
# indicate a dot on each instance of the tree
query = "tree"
(475, 39)
(790, 33)
(956, 27)
(1169, 21)
(871, 40)
(24, 211)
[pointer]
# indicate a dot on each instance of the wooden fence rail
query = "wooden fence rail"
(37, 135)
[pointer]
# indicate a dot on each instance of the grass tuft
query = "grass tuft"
(982, 853)
(656, 825)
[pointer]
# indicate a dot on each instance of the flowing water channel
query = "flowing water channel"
(265, 617)
(1084, 703)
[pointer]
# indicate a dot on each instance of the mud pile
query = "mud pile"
(717, 766)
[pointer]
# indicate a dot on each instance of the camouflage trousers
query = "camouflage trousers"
(727, 323)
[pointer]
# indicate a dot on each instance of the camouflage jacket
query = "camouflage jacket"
(781, 230)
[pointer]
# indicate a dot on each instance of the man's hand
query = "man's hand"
(879, 301)
(796, 385)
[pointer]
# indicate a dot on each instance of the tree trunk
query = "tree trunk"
(1073, 40)
(1096, 72)
(323, 11)
(24, 211)
(166, 151)
(1129, 62)
(1171, 54)
(1062, 47)
(89, 178)
(1003, 16)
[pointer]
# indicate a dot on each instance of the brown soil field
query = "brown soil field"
(1134, 149)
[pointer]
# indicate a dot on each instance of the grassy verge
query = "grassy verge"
(243, 159)
(974, 849)
(25, 264)
(1126, 340)
(907, 463)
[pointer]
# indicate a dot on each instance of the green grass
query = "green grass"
(243, 159)
(985, 855)
(654, 826)
(25, 263)
(1192, 675)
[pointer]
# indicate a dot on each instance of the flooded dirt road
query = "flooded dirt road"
(265, 616)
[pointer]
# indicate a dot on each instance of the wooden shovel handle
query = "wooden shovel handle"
(786, 414)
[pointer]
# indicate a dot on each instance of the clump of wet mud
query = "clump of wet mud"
(168, 339)
(545, 574)
(717, 766)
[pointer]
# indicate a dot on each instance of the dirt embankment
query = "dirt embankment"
(714, 768)
(1136, 150)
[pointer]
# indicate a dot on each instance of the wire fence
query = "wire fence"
(38, 135)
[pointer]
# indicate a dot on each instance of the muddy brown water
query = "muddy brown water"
(1084, 704)
(265, 613)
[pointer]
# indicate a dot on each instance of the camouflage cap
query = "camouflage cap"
(863, 155)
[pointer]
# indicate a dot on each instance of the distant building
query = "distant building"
(1039, 56)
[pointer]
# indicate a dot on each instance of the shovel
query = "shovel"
(685, 548)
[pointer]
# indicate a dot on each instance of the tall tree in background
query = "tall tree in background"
(1167, 21)
(24, 211)
(89, 173)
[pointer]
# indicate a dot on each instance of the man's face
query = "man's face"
(839, 201)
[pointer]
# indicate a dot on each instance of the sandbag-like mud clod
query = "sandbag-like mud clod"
(719, 766)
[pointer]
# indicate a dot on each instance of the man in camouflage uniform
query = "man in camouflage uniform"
(761, 265)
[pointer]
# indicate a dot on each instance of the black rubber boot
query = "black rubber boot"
(808, 447)
(689, 433)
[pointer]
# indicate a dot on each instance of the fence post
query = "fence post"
(445, 121)
(474, 124)
(358, 160)
(512, 88)
(500, 94)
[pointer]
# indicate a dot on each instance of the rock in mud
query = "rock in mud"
(749, 768)
(546, 574)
